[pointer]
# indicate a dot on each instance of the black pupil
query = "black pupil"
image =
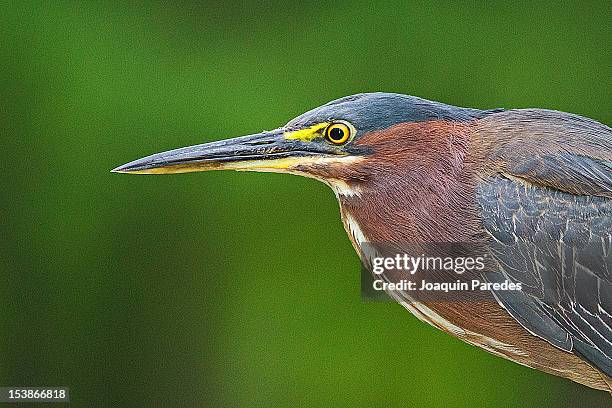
(336, 134)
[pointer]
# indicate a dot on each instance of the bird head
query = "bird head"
(349, 143)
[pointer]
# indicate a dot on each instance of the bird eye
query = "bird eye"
(338, 133)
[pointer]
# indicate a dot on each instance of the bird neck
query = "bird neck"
(403, 214)
(419, 189)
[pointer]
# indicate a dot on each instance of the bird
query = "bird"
(531, 188)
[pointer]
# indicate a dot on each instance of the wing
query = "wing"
(549, 219)
(559, 247)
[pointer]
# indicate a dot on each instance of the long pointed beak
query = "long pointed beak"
(266, 151)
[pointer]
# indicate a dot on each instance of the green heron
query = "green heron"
(409, 170)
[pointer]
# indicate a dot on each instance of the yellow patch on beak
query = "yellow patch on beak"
(285, 164)
(307, 134)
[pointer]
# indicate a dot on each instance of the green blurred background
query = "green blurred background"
(242, 289)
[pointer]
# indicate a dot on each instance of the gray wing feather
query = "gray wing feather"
(559, 247)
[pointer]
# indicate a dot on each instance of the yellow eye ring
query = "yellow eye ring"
(338, 133)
